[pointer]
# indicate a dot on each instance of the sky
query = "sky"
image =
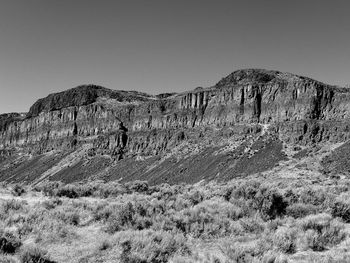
(159, 46)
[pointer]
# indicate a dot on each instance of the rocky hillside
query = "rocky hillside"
(242, 125)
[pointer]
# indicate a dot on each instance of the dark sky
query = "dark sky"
(159, 46)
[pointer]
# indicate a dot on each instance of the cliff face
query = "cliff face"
(125, 124)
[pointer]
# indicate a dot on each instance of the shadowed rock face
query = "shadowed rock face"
(125, 124)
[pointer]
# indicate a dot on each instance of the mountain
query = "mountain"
(251, 121)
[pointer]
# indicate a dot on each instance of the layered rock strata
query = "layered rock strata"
(123, 123)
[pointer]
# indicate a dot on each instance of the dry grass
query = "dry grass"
(246, 220)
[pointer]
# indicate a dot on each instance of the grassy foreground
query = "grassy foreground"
(246, 220)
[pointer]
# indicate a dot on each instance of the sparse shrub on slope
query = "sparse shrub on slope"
(246, 190)
(69, 190)
(68, 216)
(210, 218)
(48, 188)
(270, 203)
(18, 190)
(9, 243)
(150, 246)
(54, 231)
(253, 225)
(284, 239)
(122, 218)
(8, 207)
(341, 208)
(300, 210)
(110, 190)
(51, 203)
(320, 232)
(315, 197)
(34, 255)
(238, 252)
(137, 186)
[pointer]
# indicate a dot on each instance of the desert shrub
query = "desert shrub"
(341, 208)
(252, 224)
(48, 188)
(24, 229)
(209, 218)
(34, 255)
(105, 244)
(150, 246)
(137, 186)
(7, 207)
(51, 203)
(285, 239)
(15, 219)
(110, 190)
(320, 231)
(165, 191)
(54, 231)
(12, 204)
(31, 219)
(102, 211)
(17, 190)
(194, 197)
(300, 210)
(270, 203)
(291, 196)
(321, 258)
(273, 257)
(315, 197)
(246, 190)
(9, 243)
(69, 190)
(237, 252)
(69, 217)
(121, 218)
(8, 259)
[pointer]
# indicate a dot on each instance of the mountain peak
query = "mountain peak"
(83, 95)
(258, 76)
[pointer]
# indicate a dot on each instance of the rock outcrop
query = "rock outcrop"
(125, 124)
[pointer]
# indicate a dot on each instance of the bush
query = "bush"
(237, 252)
(315, 197)
(8, 206)
(48, 188)
(52, 203)
(137, 186)
(17, 190)
(284, 239)
(320, 231)
(121, 218)
(69, 190)
(252, 224)
(150, 246)
(246, 190)
(341, 208)
(300, 210)
(34, 255)
(8, 259)
(9, 243)
(269, 203)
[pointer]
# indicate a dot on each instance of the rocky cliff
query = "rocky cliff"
(248, 107)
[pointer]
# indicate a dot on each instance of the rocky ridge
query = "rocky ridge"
(249, 108)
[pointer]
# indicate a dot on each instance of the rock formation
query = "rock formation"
(145, 129)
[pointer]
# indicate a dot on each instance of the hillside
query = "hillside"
(252, 121)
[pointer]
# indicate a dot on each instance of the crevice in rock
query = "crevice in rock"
(257, 104)
(241, 104)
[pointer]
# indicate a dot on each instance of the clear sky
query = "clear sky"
(158, 46)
